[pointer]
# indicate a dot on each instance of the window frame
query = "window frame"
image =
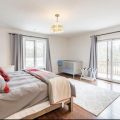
(35, 51)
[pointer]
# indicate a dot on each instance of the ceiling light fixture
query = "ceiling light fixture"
(57, 27)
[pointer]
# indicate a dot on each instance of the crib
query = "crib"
(70, 67)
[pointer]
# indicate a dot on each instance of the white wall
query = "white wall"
(57, 47)
(79, 46)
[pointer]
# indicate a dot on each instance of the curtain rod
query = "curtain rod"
(108, 33)
(30, 36)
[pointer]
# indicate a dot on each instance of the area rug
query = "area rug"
(93, 98)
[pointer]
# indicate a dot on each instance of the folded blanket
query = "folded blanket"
(59, 87)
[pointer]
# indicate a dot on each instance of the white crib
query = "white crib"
(69, 66)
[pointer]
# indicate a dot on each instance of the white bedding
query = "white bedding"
(25, 91)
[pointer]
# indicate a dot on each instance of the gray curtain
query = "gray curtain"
(48, 57)
(93, 57)
(16, 51)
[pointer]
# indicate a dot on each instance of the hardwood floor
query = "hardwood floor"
(111, 112)
(65, 114)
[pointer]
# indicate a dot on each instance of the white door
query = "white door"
(108, 60)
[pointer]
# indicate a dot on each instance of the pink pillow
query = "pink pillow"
(4, 74)
(4, 88)
(32, 70)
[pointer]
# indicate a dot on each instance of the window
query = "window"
(34, 52)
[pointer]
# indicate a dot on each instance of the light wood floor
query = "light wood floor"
(111, 112)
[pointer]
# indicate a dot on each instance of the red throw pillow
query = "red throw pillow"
(4, 74)
(4, 88)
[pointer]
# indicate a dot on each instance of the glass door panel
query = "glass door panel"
(102, 59)
(116, 60)
(29, 53)
(41, 54)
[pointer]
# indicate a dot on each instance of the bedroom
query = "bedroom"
(89, 39)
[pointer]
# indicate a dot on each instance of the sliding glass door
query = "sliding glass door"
(108, 60)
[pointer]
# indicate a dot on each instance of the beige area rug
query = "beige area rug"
(92, 98)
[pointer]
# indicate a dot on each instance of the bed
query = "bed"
(28, 98)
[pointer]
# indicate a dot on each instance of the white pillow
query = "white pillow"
(3, 85)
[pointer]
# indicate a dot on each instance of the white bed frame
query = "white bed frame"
(39, 110)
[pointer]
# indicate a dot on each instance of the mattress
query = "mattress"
(25, 91)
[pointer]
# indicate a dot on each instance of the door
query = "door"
(108, 60)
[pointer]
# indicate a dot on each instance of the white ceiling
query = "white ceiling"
(76, 15)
